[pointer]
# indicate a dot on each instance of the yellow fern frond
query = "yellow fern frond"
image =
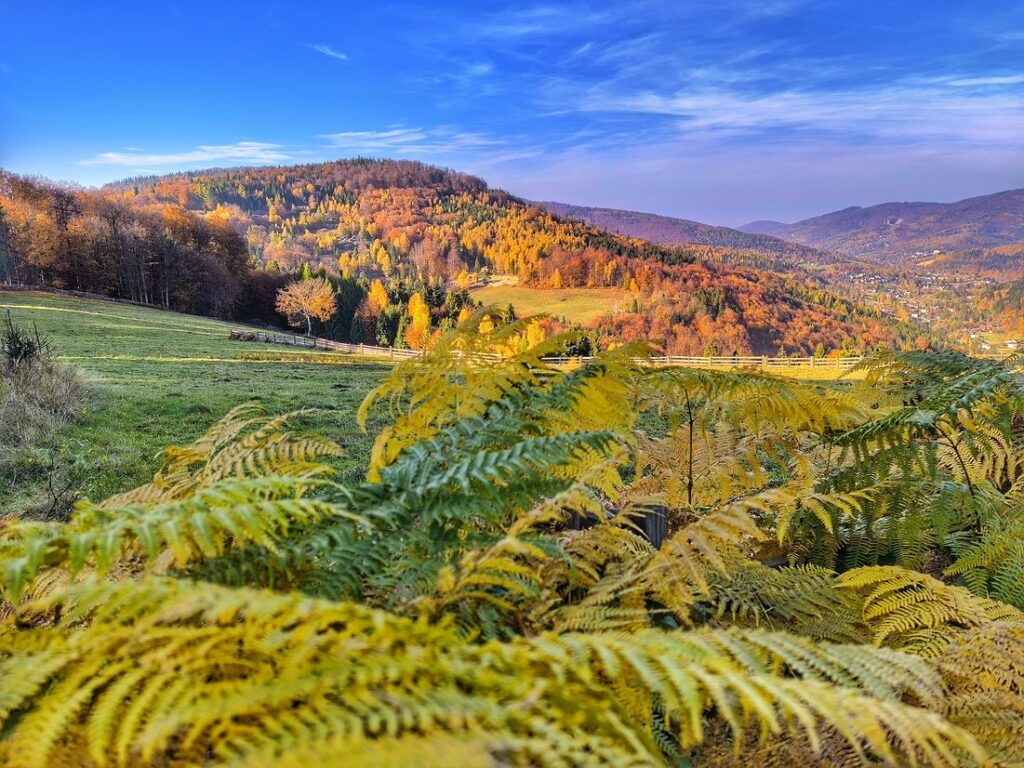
(911, 610)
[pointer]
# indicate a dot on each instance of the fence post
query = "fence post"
(764, 361)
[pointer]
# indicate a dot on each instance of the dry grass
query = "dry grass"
(577, 305)
(37, 398)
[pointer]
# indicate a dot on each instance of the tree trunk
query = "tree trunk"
(309, 326)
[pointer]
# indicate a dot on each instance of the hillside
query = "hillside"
(667, 230)
(157, 378)
(398, 236)
(905, 232)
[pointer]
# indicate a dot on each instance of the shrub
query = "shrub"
(18, 346)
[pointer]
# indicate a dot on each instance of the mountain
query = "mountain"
(403, 244)
(764, 227)
(909, 232)
(667, 230)
(414, 226)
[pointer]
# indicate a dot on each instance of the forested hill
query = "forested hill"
(402, 242)
(904, 232)
(668, 230)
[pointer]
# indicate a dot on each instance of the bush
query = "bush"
(36, 399)
(18, 346)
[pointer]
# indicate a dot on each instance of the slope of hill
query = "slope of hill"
(667, 230)
(157, 378)
(901, 232)
(401, 242)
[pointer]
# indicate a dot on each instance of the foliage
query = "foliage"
(311, 299)
(495, 592)
(218, 242)
(38, 396)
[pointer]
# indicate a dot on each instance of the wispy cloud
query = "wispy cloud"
(542, 20)
(407, 141)
(255, 152)
(967, 82)
(903, 111)
(326, 50)
(478, 69)
(472, 151)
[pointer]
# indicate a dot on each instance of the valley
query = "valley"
(394, 385)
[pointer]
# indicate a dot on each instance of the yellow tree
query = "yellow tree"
(307, 299)
(378, 296)
(418, 331)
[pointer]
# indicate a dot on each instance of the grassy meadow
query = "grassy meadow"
(158, 378)
(577, 305)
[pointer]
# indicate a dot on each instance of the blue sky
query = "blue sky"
(718, 110)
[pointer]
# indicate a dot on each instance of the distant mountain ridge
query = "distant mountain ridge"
(903, 232)
(668, 230)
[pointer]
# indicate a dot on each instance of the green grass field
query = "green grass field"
(159, 378)
(577, 305)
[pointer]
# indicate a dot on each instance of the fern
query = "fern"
(240, 674)
(983, 670)
(994, 565)
(910, 610)
(489, 596)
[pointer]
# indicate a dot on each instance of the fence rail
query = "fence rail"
(756, 361)
(315, 342)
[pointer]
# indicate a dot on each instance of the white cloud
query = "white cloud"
(479, 70)
(255, 152)
(326, 50)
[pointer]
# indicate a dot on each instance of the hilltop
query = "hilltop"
(909, 232)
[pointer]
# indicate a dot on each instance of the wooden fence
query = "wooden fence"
(757, 361)
(314, 342)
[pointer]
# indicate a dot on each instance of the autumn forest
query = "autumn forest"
(401, 244)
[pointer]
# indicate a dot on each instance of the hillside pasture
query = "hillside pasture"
(577, 305)
(159, 378)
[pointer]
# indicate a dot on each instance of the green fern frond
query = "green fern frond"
(99, 537)
(244, 444)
